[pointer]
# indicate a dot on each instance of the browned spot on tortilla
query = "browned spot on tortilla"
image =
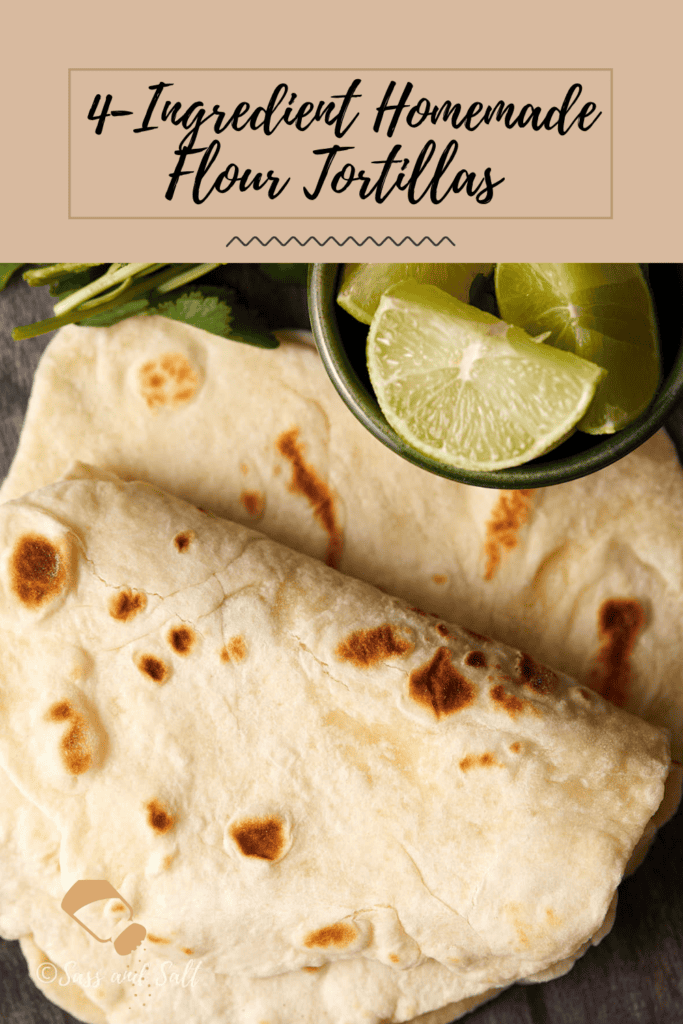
(509, 513)
(158, 939)
(439, 578)
(537, 677)
(153, 667)
(183, 540)
(167, 380)
(552, 916)
(159, 818)
(619, 622)
(339, 935)
(38, 570)
(512, 704)
(75, 748)
(311, 970)
(441, 629)
(168, 860)
(515, 747)
(305, 481)
(394, 959)
(439, 686)
(485, 760)
(181, 639)
(365, 647)
(260, 837)
(253, 501)
(476, 659)
(118, 908)
(478, 636)
(585, 693)
(234, 650)
(187, 951)
(126, 604)
(60, 711)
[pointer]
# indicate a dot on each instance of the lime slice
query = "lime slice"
(600, 311)
(363, 283)
(466, 388)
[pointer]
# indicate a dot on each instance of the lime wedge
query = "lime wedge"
(600, 311)
(363, 283)
(466, 388)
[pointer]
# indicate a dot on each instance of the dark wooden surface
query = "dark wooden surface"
(635, 976)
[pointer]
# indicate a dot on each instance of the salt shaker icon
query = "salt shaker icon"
(89, 891)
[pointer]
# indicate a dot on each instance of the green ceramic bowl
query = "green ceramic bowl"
(341, 344)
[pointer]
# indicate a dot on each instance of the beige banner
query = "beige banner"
(315, 147)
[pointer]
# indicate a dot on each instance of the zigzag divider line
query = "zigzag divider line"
(331, 238)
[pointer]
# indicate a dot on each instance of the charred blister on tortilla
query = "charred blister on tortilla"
(126, 604)
(366, 647)
(153, 667)
(181, 639)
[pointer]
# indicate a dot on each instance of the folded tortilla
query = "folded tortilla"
(287, 772)
(586, 575)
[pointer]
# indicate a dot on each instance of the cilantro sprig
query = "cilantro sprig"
(94, 294)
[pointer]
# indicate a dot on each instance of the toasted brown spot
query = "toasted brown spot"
(478, 761)
(253, 501)
(38, 570)
(394, 959)
(515, 747)
(339, 935)
(234, 650)
(439, 686)
(153, 667)
(476, 659)
(168, 860)
(260, 837)
(619, 622)
(585, 693)
(552, 916)
(509, 513)
(187, 951)
(478, 636)
(159, 818)
(75, 748)
(183, 540)
(442, 630)
(439, 578)
(126, 604)
(365, 647)
(168, 380)
(537, 677)
(306, 482)
(158, 939)
(512, 704)
(118, 908)
(181, 639)
(60, 712)
(311, 970)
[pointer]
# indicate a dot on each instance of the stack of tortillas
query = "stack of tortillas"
(328, 804)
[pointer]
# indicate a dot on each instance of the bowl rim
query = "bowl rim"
(322, 290)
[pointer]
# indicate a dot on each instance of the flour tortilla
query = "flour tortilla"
(586, 576)
(281, 768)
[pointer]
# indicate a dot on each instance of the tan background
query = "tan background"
(641, 44)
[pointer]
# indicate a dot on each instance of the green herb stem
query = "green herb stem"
(189, 275)
(54, 323)
(100, 284)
